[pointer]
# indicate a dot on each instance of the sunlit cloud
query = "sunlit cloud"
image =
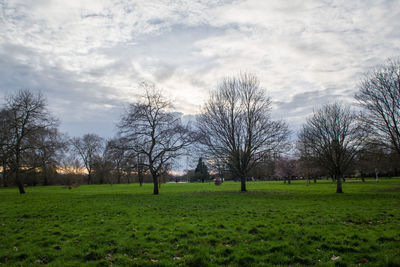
(88, 57)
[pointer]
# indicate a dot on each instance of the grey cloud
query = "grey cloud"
(88, 60)
(78, 105)
(155, 21)
(163, 72)
(301, 105)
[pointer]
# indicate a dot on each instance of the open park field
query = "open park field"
(203, 225)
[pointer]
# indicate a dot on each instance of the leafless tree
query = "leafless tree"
(50, 146)
(71, 170)
(307, 166)
(88, 148)
(116, 152)
(237, 128)
(285, 168)
(26, 117)
(154, 131)
(332, 137)
(379, 95)
(5, 141)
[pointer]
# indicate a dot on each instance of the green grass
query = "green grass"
(202, 224)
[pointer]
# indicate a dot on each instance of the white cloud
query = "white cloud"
(90, 55)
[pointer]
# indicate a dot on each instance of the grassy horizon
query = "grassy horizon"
(203, 225)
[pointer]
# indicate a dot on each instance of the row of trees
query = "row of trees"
(234, 133)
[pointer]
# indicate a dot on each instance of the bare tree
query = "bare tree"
(71, 170)
(285, 168)
(154, 131)
(102, 168)
(332, 137)
(26, 117)
(88, 148)
(50, 147)
(307, 166)
(237, 128)
(116, 152)
(379, 95)
(5, 141)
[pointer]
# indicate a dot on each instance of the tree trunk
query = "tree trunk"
(89, 177)
(155, 181)
(288, 180)
(140, 178)
(45, 178)
(17, 176)
(5, 184)
(118, 177)
(363, 179)
(21, 188)
(315, 180)
(243, 184)
(339, 184)
(19, 182)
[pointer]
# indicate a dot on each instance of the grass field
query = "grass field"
(203, 224)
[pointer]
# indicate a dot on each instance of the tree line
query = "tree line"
(234, 133)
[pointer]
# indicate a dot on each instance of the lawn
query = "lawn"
(203, 224)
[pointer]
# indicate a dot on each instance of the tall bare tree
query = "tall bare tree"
(236, 125)
(154, 131)
(88, 148)
(27, 116)
(379, 95)
(332, 137)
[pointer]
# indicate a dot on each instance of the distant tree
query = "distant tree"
(219, 167)
(307, 164)
(25, 116)
(116, 152)
(5, 141)
(201, 172)
(140, 167)
(285, 168)
(102, 168)
(88, 148)
(333, 137)
(71, 170)
(237, 128)
(379, 95)
(50, 147)
(153, 131)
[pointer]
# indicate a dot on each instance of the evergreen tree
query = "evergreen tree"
(201, 171)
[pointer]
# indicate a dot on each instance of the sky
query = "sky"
(88, 57)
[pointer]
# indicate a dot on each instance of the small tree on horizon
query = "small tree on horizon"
(285, 168)
(88, 148)
(201, 172)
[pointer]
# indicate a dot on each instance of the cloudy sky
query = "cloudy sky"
(87, 57)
